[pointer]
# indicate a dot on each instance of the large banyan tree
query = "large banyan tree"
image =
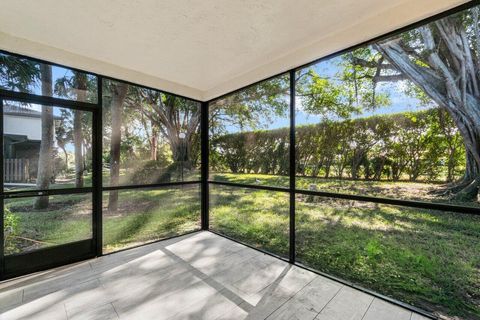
(174, 119)
(442, 59)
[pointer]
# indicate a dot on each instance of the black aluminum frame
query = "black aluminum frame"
(97, 188)
(293, 191)
(28, 262)
(102, 189)
(38, 260)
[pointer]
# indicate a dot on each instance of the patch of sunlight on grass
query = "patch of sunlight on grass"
(257, 217)
(151, 214)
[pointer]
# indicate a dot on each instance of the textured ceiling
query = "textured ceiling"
(203, 48)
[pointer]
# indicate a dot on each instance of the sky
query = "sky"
(399, 101)
(57, 73)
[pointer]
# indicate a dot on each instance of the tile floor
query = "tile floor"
(198, 276)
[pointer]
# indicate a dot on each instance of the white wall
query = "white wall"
(26, 126)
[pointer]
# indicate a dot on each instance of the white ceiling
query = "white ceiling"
(200, 49)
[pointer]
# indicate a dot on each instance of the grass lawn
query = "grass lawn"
(390, 189)
(427, 258)
(143, 215)
(256, 217)
(430, 259)
(146, 215)
(68, 218)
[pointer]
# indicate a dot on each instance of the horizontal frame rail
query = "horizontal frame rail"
(47, 258)
(45, 100)
(153, 242)
(155, 185)
(404, 203)
(49, 192)
(250, 186)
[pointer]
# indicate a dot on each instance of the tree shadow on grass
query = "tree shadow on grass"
(416, 265)
(128, 232)
(408, 219)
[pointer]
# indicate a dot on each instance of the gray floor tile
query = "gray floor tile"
(380, 309)
(197, 276)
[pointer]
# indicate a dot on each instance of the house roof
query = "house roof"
(200, 49)
(24, 111)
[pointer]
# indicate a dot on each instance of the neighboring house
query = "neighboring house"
(21, 139)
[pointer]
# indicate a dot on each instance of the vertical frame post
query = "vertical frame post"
(97, 171)
(2, 229)
(292, 170)
(204, 176)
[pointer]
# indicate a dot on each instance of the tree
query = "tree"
(119, 92)
(170, 115)
(81, 86)
(442, 58)
(18, 74)
(76, 86)
(45, 161)
(63, 135)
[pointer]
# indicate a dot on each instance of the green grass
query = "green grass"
(391, 189)
(67, 219)
(148, 215)
(143, 215)
(257, 217)
(427, 258)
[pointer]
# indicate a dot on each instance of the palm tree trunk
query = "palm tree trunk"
(81, 90)
(45, 163)
(119, 92)
(77, 139)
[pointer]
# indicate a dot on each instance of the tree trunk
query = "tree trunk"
(77, 139)
(81, 90)
(171, 120)
(467, 188)
(153, 146)
(66, 157)
(45, 161)
(119, 92)
(451, 81)
(356, 162)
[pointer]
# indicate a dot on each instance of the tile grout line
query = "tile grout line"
(336, 294)
(281, 305)
(113, 306)
(266, 266)
(373, 298)
(65, 309)
(195, 272)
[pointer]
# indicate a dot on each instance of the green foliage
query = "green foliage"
(18, 74)
(150, 172)
(71, 85)
(245, 108)
(10, 222)
(11, 227)
(423, 145)
(255, 152)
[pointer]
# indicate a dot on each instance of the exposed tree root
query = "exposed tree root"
(465, 189)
